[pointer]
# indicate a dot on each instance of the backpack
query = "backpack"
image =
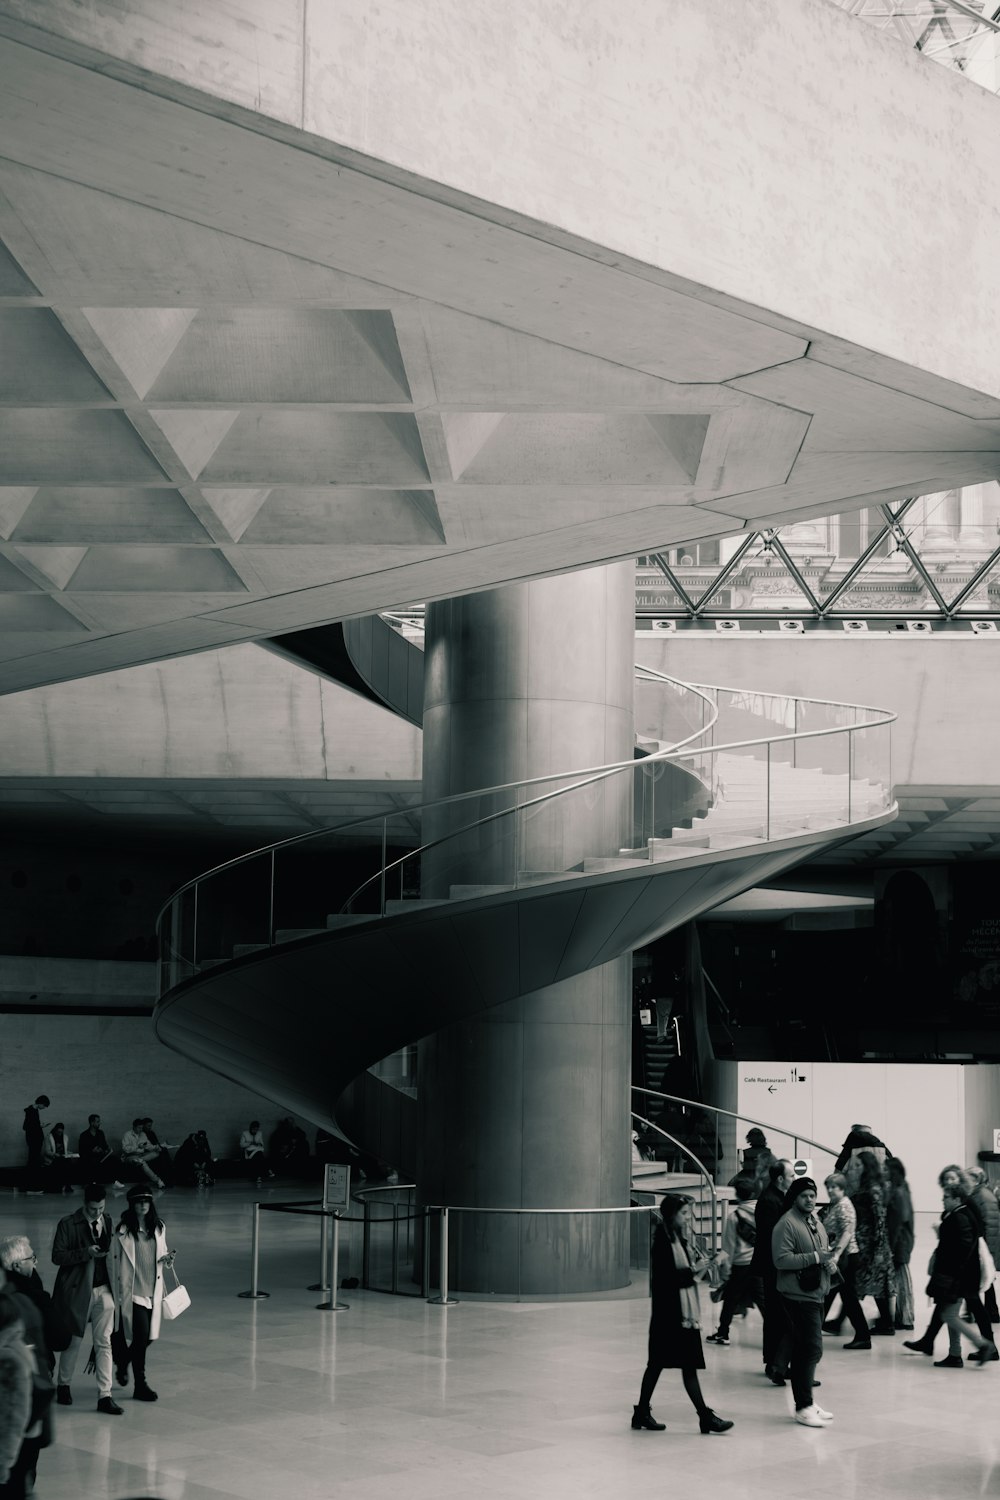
(746, 1229)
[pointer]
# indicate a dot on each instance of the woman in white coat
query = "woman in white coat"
(138, 1254)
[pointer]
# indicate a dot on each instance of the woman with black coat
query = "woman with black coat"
(675, 1321)
(956, 1276)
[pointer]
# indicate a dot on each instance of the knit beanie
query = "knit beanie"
(800, 1185)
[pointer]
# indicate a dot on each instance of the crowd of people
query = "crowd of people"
(792, 1258)
(110, 1281)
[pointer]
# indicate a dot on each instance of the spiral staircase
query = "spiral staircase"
(287, 973)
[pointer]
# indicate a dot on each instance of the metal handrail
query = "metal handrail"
(383, 1187)
(706, 1175)
(569, 781)
(471, 1208)
(486, 791)
(736, 1115)
(589, 773)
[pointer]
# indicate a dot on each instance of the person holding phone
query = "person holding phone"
(82, 1294)
(138, 1254)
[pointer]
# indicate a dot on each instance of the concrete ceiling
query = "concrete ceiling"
(245, 389)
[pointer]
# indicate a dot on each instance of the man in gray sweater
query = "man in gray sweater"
(802, 1256)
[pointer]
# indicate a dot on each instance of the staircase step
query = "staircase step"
(414, 903)
(600, 864)
(289, 934)
(240, 950)
(470, 892)
(686, 836)
(347, 918)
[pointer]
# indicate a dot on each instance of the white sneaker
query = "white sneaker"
(824, 1416)
(810, 1416)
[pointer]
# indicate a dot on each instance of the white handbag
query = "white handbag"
(177, 1300)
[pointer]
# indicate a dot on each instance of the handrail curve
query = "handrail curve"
(705, 1173)
(778, 709)
(735, 1114)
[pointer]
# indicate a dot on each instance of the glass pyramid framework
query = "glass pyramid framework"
(932, 557)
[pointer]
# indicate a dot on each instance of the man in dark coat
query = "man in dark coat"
(83, 1293)
(34, 1139)
(770, 1207)
(861, 1138)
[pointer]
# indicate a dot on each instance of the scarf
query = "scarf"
(690, 1309)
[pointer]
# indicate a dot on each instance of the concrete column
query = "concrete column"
(528, 1105)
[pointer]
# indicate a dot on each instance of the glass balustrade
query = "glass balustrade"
(717, 768)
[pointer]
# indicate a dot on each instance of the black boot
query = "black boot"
(709, 1422)
(643, 1420)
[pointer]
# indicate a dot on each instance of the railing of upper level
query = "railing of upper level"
(734, 766)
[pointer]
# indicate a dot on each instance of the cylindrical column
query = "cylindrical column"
(527, 1105)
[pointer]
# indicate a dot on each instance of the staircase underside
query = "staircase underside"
(299, 1022)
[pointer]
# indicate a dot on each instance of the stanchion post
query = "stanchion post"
(322, 1285)
(425, 1256)
(444, 1300)
(333, 1305)
(255, 1293)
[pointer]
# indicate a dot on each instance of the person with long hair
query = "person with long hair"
(138, 1255)
(675, 1321)
(955, 1181)
(899, 1226)
(956, 1275)
(840, 1224)
(873, 1275)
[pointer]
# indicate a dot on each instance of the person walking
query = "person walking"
(675, 1320)
(840, 1224)
(956, 1275)
(899, 1227)
(956, 1181)
(770, 1207)
(83, 1294)
(802, 1257)
(985, 1203)
(738, 1241)
(873, 1268)
(138, 1254)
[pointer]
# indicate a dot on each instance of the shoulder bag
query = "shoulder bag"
(176, 1300)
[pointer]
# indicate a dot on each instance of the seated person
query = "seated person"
(160, 1163)
(57, 1159)
(94, 1152)
(289, 1143)
(193, 1161)
(252, 1152)
(137, 1152)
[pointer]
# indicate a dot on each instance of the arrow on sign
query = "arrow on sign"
(771, 1089)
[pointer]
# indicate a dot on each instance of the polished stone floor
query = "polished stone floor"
(394, 1397)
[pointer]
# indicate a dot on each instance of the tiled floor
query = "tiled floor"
(394, 1397)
